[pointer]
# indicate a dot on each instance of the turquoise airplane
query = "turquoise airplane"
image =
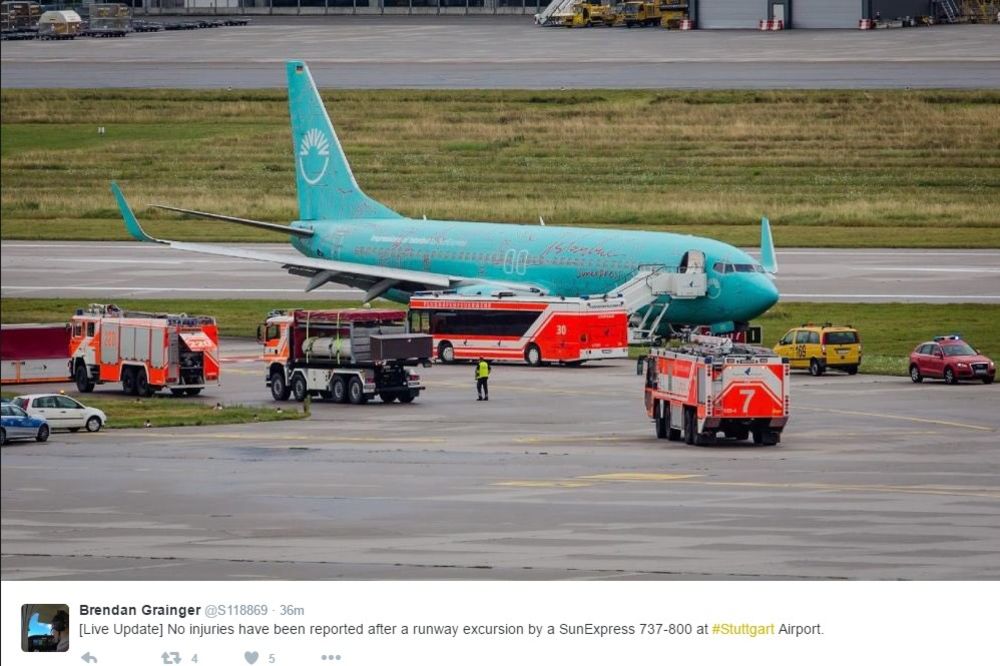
(345, 237)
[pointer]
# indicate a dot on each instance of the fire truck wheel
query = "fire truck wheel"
(815, 368)
(765, 437)
(279, 388)
(192, 392)
(660, 419)
(356, 391)
(338, 389)
(533, 355)
(407, 398)
(82, 378)
(43, 433)
(142, 387)
(299, 388)
(690, 426)
(94, 424)
(446, 353)
(128, 381)
(387, 397)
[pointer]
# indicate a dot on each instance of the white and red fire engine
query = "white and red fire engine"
(144, 351)
(711, 386)
(534, 329)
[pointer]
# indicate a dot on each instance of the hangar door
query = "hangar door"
(731, 13)
(826, 13)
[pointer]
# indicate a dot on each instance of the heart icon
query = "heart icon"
(251, 657)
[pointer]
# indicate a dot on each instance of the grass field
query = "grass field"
(889, 331)
(833, 168)
(163, 411)
(236, 318)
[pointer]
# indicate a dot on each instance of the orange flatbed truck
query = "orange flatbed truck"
(343, 355)
(711, 388)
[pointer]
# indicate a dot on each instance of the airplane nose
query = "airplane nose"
(761, 296)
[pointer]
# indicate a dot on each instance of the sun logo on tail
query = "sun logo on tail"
(314, 155)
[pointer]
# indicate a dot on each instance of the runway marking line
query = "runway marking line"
(914, 419)
(639, 476)
(697, 479)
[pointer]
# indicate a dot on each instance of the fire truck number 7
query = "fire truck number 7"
(749, 393)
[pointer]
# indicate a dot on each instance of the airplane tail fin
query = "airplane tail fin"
(768, 258)
(326, 187)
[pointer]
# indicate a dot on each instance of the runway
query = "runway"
(133, 270)
(509, 52)
(558, 476)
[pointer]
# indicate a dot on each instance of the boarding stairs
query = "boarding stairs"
(950, 10)
(555, 7)
(646, 291)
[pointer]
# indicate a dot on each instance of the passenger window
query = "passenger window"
(924, 349)
(802, 337)
(814, 338)
(67, 403)
(77, 330)
(90, 329)
(787, 340)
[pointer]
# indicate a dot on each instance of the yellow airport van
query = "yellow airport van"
(821, 347)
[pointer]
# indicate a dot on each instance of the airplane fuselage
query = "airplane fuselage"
(563, 261)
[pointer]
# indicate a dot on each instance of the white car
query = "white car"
(62, 411)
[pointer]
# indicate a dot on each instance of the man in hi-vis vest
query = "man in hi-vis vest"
(482, 379)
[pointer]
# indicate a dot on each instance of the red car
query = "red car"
(950, 358)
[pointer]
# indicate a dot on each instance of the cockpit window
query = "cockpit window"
(722, 267)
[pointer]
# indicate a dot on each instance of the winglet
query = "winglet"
(131, 224)
(768, 260)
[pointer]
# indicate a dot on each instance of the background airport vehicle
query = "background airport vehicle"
(62, 411)
(15, 423)
(31, 353)
(821, 347)
(145, 351)
(508, 327)
(640, 13)
(343, 355)
(59, 25)
(950, 358)
(710, 385)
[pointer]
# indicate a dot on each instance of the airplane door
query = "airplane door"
(693, 261)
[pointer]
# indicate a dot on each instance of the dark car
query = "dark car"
(950, 358)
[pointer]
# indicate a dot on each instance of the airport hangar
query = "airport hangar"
(707, 14)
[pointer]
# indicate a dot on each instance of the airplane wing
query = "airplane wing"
(374, 280)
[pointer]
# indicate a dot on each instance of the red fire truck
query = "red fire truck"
(144, 351)
(535, 329)
(711, 386)
(342, 355)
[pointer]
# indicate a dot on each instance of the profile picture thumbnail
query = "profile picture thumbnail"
(45, 628)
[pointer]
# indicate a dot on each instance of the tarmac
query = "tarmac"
(508, 52)
(558, 476)
(143, 270)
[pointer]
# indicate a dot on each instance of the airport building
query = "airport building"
(713, 14)
(707, 14)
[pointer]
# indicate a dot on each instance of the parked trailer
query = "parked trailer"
(31, 353)
(343, 355)
(145, 351)
(712, 387)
